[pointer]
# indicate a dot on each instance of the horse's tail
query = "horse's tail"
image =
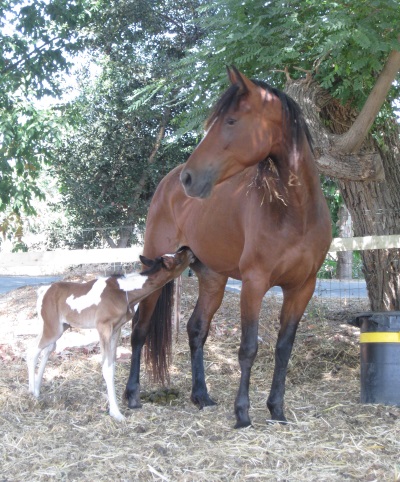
(159, 338)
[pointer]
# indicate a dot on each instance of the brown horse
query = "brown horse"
(249, 204)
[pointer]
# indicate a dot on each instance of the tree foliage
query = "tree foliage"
(342, 45)
(123, 141)
(162, 68)
(109, 164)
(36, 41)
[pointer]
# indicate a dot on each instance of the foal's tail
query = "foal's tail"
(159, 338)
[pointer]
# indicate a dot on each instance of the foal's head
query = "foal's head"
(250, 122)
(169, 264)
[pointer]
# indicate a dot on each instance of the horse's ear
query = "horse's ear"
(231, 71)
(235, 77)
(146, 261)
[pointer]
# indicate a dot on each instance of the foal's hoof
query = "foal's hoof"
(203, 401)
(117, 416)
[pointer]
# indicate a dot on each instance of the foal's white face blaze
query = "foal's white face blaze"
(134, 281)
(93, 297)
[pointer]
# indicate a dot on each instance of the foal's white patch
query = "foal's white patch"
(40, 295)
(133, 281)
(93, 297)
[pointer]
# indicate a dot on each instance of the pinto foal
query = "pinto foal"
(104, 303)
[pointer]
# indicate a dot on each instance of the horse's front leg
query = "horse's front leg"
(140, 329)
(294, 304)
(211, 293)
(250, 303)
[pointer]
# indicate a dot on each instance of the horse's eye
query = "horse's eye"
(230, 121)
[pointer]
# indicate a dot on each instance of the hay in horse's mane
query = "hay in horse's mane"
(293, 116)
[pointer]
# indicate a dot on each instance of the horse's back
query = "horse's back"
(71, 303)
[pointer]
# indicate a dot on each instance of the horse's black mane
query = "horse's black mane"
(293, 116)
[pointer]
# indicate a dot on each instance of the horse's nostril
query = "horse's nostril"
(186, 179)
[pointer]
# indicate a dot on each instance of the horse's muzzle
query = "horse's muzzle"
(197, 185)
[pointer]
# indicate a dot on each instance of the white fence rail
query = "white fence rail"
(49, 262)
(365, 242)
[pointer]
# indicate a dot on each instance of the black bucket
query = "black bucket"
(380, 356)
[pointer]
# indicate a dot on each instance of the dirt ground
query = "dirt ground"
(67, 434)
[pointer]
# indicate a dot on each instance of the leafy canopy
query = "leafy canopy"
(122, 137)
(343, 44)
(36, 42)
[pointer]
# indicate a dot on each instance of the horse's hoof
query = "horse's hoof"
(278, 419)
(202, 402)
(133, 397)
(134, 404)
(243, 424)
(276, 412)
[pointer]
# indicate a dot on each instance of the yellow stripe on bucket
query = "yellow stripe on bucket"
(380, 337)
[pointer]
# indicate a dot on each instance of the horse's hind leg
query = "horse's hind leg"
(294, 304)
(211, 293)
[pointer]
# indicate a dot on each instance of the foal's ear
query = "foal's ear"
(146, 261)
(235, 77)
(168, 262)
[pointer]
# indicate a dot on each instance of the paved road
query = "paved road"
(9, 283)
(324, 288)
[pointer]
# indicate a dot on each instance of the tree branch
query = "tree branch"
(352, 140)
(365, 165)
(160, 135)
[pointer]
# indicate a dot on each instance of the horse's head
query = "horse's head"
(244, 128)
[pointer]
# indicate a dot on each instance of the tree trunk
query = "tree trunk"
(375, 209)
(374, 204)
(344, 268)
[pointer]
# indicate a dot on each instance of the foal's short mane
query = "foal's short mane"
(293, 117)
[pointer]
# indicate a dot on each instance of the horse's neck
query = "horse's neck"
(299, 175)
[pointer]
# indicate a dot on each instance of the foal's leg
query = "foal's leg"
(108, 344)
(35, 381)
(46, 344)
(294, 304)
(211, 293)
(141, 326)
(250, 303)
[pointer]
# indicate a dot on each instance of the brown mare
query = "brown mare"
(248, 202)
(105, 304)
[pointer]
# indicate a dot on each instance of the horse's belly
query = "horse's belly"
(218, 243)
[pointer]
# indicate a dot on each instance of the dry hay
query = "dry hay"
(67, 434)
